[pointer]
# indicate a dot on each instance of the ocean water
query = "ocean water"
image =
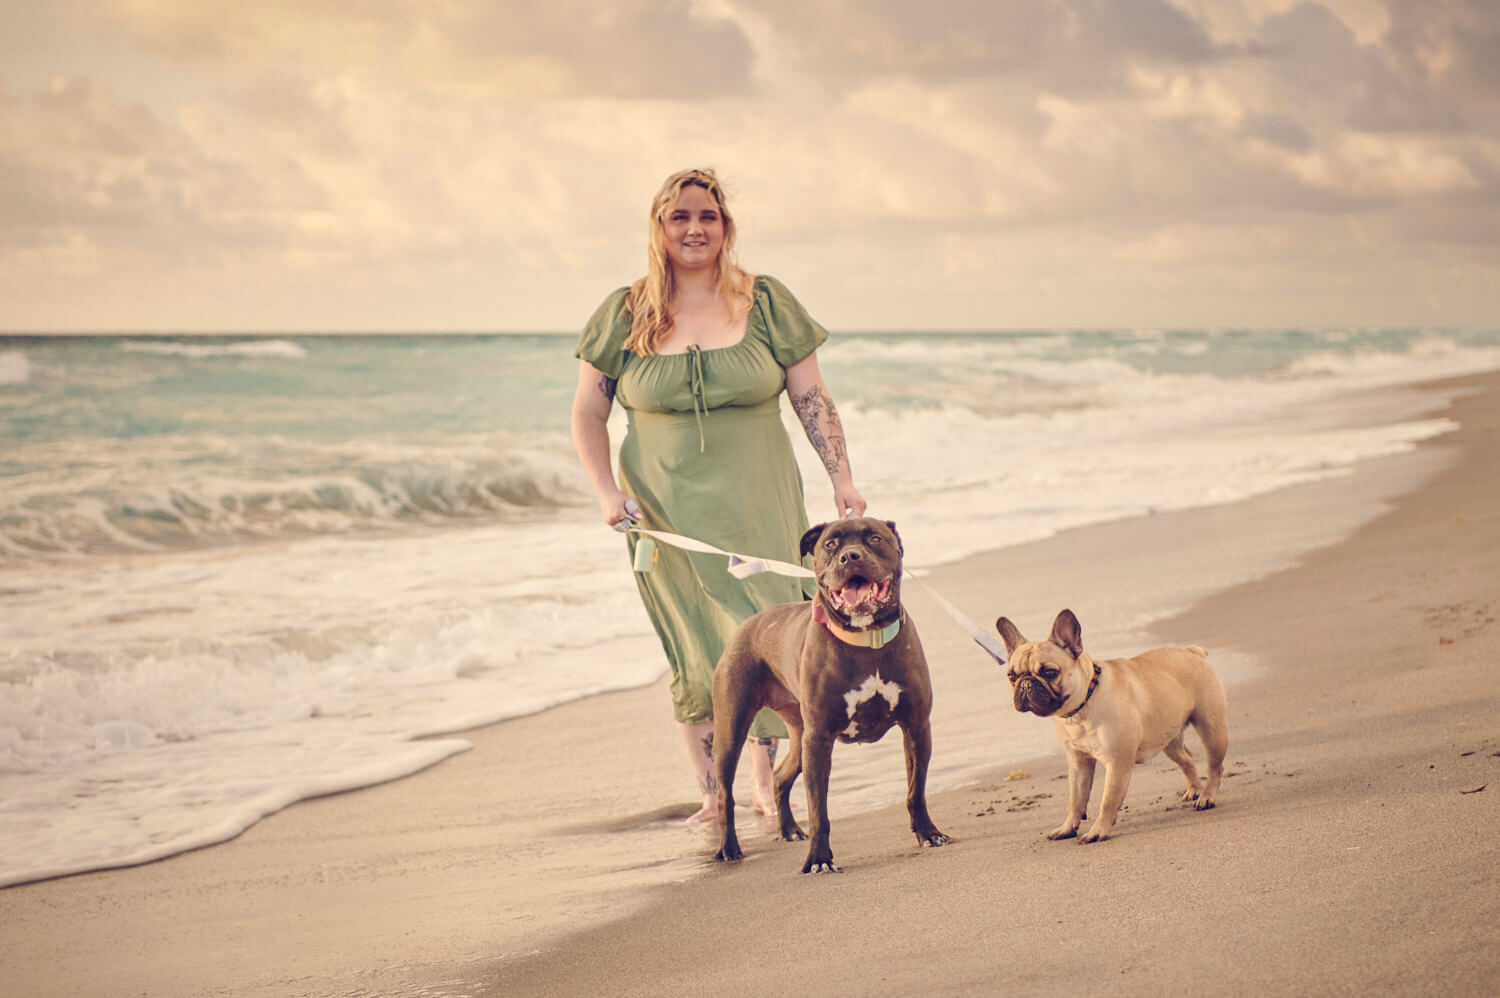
(236, 572)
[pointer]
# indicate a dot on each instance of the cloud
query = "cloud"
(1277, 129)
(1450, 51)
(1070, 47)
(87, 169)
(311, 119)
(463, 164)
(474, 49)
(1323, 73)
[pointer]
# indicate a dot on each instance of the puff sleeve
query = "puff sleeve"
(793, 333)
(602, 342)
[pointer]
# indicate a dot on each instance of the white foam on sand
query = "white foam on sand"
(196, 693)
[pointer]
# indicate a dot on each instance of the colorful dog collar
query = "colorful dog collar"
(864, 639)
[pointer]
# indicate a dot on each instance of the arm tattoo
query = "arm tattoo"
(607, 387)
(816, 411)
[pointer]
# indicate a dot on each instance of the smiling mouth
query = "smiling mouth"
(861, 595)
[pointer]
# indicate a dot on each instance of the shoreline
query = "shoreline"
(422, 851)
(1122, 621)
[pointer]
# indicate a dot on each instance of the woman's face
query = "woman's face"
(694, 229)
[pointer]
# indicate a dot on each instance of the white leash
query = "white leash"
(744, 566)
(740, 566)
(983, 638)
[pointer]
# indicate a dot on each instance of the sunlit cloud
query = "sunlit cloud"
(471, 49)
(976, 164)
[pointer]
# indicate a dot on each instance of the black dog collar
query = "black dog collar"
(1093, 685)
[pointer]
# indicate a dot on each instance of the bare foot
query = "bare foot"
(708, 812)
(762, 753)
(764, 801)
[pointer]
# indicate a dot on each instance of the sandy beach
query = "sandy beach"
(1352, 851)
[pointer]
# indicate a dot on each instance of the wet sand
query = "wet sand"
(1348, 854)
(1353, 851)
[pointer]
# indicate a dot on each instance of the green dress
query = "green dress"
(707, 455)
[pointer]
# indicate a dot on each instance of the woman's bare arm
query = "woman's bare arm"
(820, 421)
(592, 401)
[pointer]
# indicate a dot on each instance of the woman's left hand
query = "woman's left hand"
(848, 501)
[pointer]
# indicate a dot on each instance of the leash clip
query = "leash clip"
(744, 568)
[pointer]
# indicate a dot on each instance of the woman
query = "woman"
(698, 352)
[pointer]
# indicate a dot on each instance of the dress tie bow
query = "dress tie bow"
(695, 383)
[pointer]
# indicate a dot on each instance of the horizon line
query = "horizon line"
(956, 331)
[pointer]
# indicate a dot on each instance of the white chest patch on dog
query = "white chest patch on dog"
(872, 687)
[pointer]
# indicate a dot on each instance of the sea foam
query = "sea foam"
(14, 368)
(285, 349)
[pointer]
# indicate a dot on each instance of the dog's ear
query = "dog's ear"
(900, 548)
(1067, 633)
(1009, 634)
(810, 539)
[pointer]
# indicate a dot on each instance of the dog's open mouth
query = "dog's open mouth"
(860, 595)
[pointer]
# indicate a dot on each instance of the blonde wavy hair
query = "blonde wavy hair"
(650, 297)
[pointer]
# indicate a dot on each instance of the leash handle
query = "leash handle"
(630, 519)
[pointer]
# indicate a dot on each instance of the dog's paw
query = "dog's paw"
(932, 838)
(1204, 804)
(1093, 836)
(792, 832)
(819, 860)
(1188, 795)
(729, 854)
(1064, 832)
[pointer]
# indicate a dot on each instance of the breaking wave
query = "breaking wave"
(243, 348)
(122, 509)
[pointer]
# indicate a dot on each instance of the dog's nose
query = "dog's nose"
(848, 556)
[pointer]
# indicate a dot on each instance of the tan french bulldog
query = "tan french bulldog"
(1119, 711)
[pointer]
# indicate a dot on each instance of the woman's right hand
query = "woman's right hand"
(612, 505)
(592, 401)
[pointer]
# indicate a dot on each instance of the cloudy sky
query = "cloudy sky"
(288, 165)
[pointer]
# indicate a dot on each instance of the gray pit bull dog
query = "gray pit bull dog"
(847, 666)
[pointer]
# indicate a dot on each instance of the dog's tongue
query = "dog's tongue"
(862, 593)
